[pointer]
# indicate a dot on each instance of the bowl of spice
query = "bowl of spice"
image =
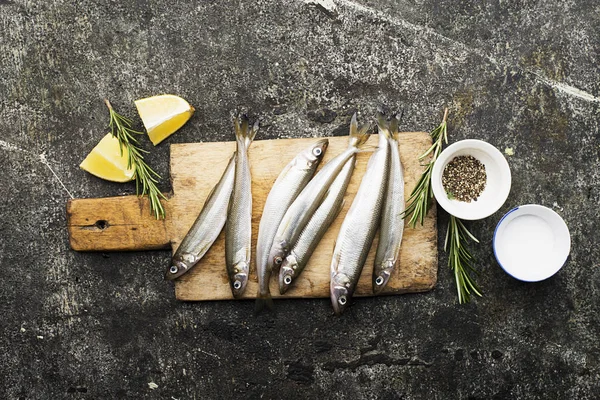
(471, 179)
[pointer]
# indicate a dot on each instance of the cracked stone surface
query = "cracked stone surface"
(518, 74)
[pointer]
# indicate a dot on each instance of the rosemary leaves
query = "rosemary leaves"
(460, 259)
(145, 177)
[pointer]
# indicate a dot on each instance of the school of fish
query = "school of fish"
(299, 210)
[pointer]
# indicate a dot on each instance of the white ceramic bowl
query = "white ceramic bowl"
(497, 186)
(531, 243)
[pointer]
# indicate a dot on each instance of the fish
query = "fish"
(206, 228)
(290, 182)
(302, 209)
(312, 234)
(238, 228)
(358, 229)
(392, 216)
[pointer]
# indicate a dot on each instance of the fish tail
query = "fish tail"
(243, 133)
(395, 123)
(388, 128)
(383, 125)
(264, 301)
(358, 136)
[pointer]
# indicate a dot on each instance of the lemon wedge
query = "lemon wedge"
(163, 115)
(105, 161)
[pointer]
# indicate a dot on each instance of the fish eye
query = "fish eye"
(287, 280)
(237, 285)
(379, 281)
(342, 300)
(278, 260)
(173, 269)
(317, 151)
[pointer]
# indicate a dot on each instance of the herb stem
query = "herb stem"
(418, 205)
(145, 177)
(460, 259)
(421, 198)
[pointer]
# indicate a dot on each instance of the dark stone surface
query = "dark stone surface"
(106, 325)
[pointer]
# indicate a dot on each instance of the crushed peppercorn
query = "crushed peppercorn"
(464, 178)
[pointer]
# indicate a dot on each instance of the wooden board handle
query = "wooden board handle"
(106, 225)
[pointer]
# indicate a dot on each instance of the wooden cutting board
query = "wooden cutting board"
(125, 223)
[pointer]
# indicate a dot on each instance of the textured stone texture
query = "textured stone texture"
(519, 74)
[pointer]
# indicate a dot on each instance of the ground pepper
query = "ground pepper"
(464, 178)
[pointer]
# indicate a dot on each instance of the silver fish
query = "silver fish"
(312, 234)
(286, 188)
(207, 226)
(238, 229)
(359, 227)
(392, 218)
(302, 209)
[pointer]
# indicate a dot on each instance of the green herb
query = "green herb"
(420, 201)
(460, 259)
(145, 177)
(421, 198)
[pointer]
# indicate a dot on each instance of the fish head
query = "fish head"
(341, 292)
(277, 254)
(315, 153)
(239, 279)
(381, 278)
(287, 272)
(180, 264)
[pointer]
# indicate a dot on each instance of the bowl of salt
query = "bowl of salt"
(531, 243)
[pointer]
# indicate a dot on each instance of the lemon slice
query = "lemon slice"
(105, 161)
(163, 115)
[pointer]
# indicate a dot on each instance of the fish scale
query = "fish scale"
(206, 227)
(392, 219)
(359, 227)
(302, 209)
(238, 228)
(315, 229)
(290, 182)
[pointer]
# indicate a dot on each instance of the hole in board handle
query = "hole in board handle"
(101, 224)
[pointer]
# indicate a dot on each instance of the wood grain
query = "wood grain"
(116, 224)
(195, 169)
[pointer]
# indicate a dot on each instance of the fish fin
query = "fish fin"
(243, 134)
(334, 260)
(253, 132)
(263, 302)
(368, 149)
(383, 125)
(358, 136)
(212, 191)
(237, 127)
(394, 123)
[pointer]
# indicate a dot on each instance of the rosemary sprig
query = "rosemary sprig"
(421, 197)
(460, 259)
(420, 201)
(145, 177)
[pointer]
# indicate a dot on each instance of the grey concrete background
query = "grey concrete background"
(519, 74)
